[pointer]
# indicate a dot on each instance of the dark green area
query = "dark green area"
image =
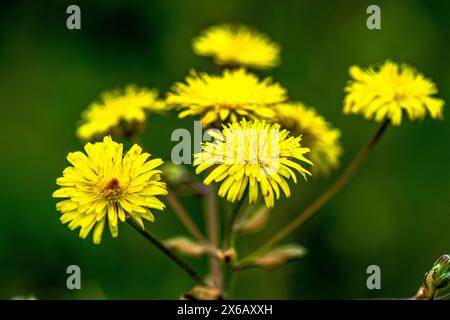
(394, 213)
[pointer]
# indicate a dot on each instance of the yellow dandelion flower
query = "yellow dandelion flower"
(237, 45)
(105, 185)
(225, 98)
(254, 155)
(119, 112)
(317, 134)
(390, 92)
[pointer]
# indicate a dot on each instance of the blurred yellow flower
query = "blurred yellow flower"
(225, 98)
(107, 185)
(254, 155)
(317, 134)
(390, 92)
(237, 45)
(119, 112)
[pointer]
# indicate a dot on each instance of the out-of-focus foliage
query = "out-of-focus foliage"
(394, 213)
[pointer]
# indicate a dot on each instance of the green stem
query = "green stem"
(324, 197)
(183, 265)
(212, 227)
(176, 205)
(184, 217)
(189, 224)
(228, 244)
(228, 239)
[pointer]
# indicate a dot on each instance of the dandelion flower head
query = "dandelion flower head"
(390, 92)
(104, 185)
(119, 112)
(237, 45)
(226, 98)
(255, 156)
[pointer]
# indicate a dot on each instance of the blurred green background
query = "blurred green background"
(394, 213)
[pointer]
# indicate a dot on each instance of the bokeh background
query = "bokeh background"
(394, 213)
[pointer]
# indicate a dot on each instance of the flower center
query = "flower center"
(111, 189)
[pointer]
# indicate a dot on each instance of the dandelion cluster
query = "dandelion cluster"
(260, 142)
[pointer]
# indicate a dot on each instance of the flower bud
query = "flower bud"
(186, 246)
(275, 258)
(255, 222)
(202, 293)
(437, 278)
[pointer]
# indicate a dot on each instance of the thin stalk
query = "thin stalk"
(325, 196)
(228, 237)
(184, 217)
(176, 205)
(189, 224)
(228, 244)
(212, 227)
(150, 237)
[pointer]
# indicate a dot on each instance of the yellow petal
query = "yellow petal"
(98, 231)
